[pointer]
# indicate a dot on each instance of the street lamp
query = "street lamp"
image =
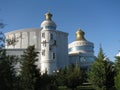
(55, 71)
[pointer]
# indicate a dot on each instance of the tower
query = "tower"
(48, 45)
(54, 46)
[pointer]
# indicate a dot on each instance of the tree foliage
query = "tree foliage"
(117, 81)
(70, 77)
(61, 77)
(101, 75)
(7, 71)
(29, 72)
(73, 78)
(117, 63)
(117, 68)
(48, 82)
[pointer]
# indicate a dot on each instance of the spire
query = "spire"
(48, 16)
(80, 35)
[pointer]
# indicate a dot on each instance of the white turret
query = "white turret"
(48, 45)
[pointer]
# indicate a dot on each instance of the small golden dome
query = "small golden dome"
(48, 16)
(80, 35)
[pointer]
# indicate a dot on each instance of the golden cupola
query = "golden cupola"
(48, 16)
(80, 35)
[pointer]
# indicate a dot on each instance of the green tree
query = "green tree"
(73, 78)
(60, 78)
(101, 75)
(117, 63)
(48, 82)
(117, 81)
(7, 71)
(29, 72)
(117, 68)
(110, 74)
(70, 77)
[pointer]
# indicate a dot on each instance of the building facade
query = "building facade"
(52, 46)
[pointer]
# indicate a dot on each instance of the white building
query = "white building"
(52, 45)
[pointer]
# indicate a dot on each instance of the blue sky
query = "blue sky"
(99, 19)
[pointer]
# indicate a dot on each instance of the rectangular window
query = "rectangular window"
(43, 52)
(54, 42)
(50, 48)
(53, 55)
(44, 43)
(51, 36)
(43, 35)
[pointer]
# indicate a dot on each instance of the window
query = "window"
(54, 42)
(53, 55)
(70, 49)
(89, 48)
(43, 52)
(50, 27)
(43, 35)
(51, 36)
(83, 59)
(44, 43)
(50, 48)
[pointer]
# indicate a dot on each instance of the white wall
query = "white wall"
(25, 38)
(62, 49)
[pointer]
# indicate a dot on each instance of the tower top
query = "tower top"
(80, 35)
(48, 23)
(48, 16)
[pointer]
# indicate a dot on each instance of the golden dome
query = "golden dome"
(80, 35)
(48, 16)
